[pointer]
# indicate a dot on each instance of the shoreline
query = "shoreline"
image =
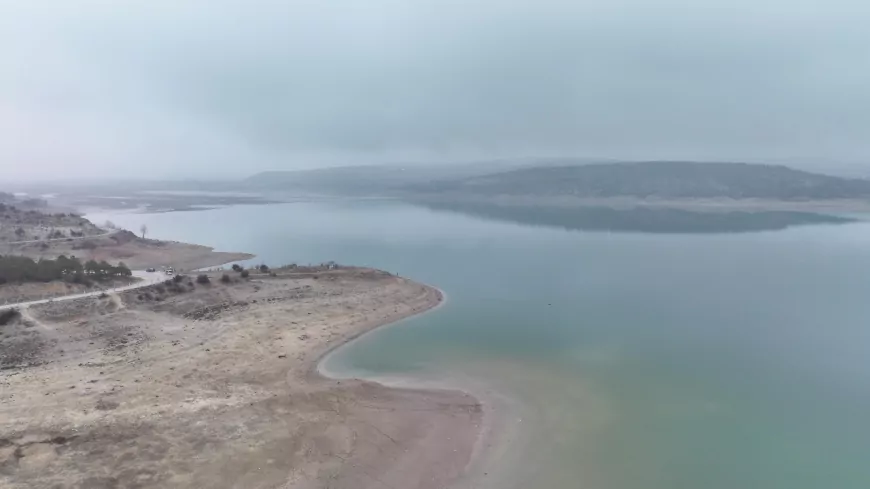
(229, 370)
(485, 430)
(318, 373)
(495, 429)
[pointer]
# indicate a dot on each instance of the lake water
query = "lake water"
(718, 361)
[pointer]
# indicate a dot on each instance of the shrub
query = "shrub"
(264, 268)
(160, 289)
(225, 278)
(237, 267)
(85, 245)
(245, 274)
(202, 279)
(178, 278)
(7, 315)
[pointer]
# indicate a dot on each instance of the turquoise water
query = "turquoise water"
(644, 361)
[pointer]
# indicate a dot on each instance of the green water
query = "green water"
(642, 361)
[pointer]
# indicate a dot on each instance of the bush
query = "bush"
(22, 269)
(245, 273)
(237, 267)
(225, 278)
(179, 278)
(7, 315)
(264, 268)
(85, 245)
(202, 279)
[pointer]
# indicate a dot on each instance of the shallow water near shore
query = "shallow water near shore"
(640, 361)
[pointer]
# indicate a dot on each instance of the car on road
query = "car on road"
(152, 269)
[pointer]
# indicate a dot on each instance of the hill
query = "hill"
(658, 179)
(18, 225)
(373, 179)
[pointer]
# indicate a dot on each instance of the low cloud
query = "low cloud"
(165, 88)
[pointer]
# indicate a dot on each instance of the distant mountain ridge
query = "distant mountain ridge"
(368, 179)
(658, 179)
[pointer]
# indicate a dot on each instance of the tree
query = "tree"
(143, 229)
(122, 270)
(92, 267)
(202, 279)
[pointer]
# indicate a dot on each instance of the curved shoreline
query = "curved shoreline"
(318, 373)
(486, 429)
(234, 367)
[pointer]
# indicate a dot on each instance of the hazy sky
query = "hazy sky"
(218, 87)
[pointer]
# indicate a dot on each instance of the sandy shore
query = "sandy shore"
(216, 386)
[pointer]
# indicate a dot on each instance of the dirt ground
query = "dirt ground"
(135, 252)
(13, 293)
(17, 224)
(214, 386)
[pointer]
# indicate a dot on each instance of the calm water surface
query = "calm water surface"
(644, 361)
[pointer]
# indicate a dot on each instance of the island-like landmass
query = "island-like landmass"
(648, 196)
(661, 180)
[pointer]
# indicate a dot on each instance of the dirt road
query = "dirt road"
(145, 279)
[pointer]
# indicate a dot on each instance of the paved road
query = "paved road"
(148, 278)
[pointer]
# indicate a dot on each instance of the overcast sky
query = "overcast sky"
(226, 87)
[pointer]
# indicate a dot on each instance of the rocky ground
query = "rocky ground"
(18, 224)
(213, 385)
